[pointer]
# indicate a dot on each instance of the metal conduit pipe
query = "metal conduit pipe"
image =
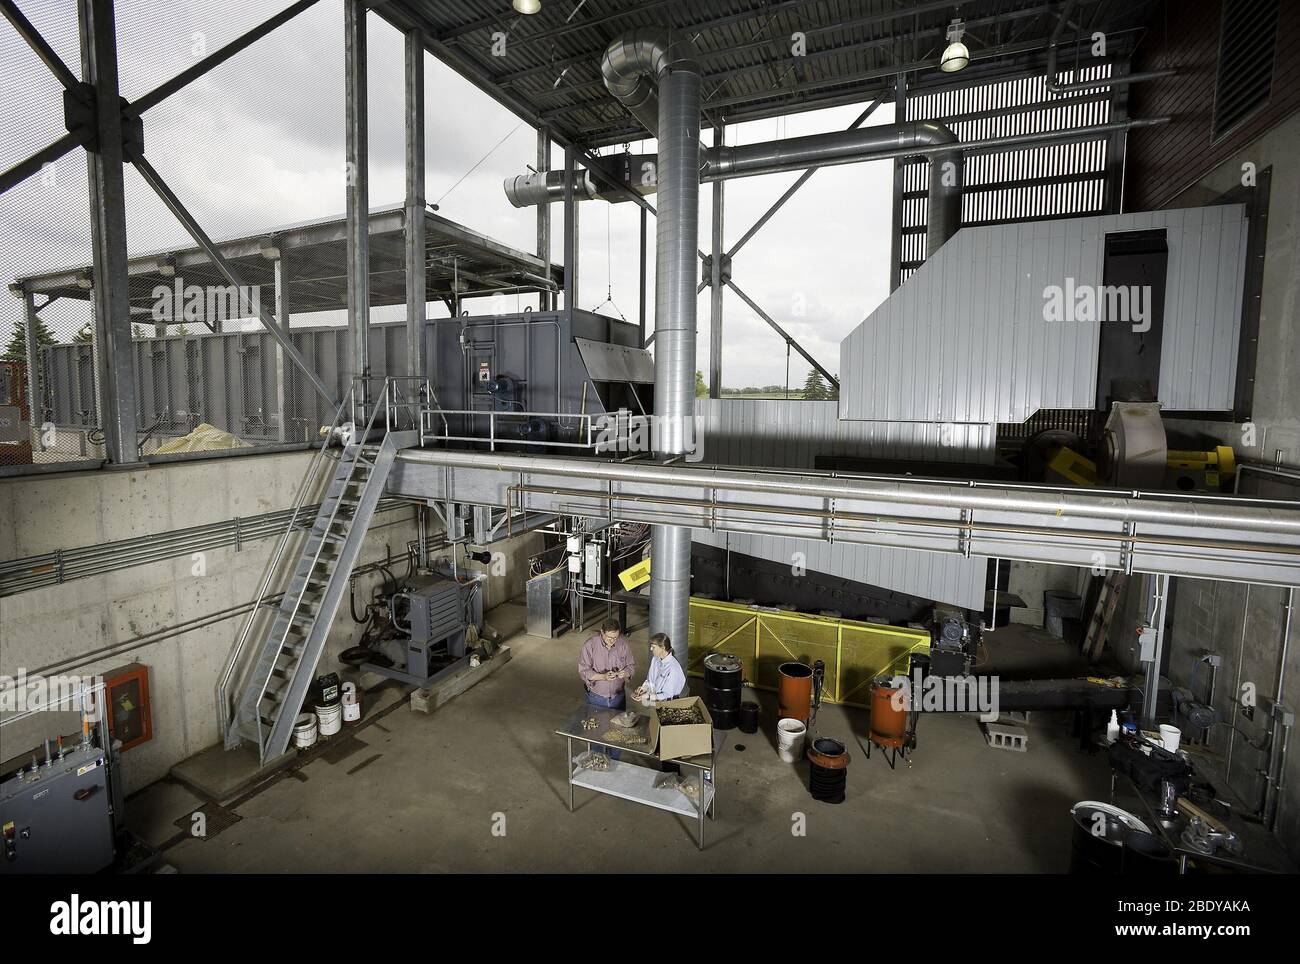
(1215, 512)
(656, 77)
(1056, 87)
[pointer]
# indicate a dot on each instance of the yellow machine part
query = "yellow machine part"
(635, 575)
(855, 653)
(1218, 464)
(1072, 467)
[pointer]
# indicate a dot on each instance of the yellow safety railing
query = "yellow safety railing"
(854, 652)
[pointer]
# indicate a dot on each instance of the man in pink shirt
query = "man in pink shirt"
(605, 665)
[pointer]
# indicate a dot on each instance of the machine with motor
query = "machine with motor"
(422, 630)
(954, 641)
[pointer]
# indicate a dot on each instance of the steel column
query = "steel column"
(896, 240)
(1157, 604)
(282, 309)
(544, 214)
(114, 360)
(414, 221)
(358, 190)
(715, 279)
(641, 282)
(570, 232)
(32, 345)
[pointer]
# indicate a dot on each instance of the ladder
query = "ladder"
(290, 626)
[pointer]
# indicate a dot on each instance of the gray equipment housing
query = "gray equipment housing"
(59, 819)
(569, 363)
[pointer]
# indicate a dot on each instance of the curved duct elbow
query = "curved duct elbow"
(947, 181)
(633, 64)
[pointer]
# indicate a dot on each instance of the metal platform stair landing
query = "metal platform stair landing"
(288, 628)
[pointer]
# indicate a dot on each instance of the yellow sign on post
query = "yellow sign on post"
(638, 575)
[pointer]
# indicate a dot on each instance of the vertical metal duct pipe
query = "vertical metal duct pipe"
(657, 78)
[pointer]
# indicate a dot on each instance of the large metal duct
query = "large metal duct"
(792, 154)
(860, 144)
(656, 77)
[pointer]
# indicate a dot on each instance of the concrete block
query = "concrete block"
(1003, 736)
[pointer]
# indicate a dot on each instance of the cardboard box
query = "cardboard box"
(682, 739)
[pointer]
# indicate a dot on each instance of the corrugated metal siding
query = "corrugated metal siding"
(226, 379)
(1019, 185)
(964, 339)
(777, 433)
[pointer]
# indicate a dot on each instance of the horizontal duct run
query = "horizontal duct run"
(1244, 540)
(639, 172)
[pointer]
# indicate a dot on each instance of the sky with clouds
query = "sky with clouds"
(258, 143)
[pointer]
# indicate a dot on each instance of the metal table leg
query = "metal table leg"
(568, 768)
(702, 808)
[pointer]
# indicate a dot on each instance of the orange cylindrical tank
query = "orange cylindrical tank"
(794, 695)
(888, 723)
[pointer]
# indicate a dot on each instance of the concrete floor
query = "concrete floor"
(417, 793)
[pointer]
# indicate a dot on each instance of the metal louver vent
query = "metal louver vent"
(1245, 78)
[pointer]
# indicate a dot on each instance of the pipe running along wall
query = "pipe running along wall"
(656, 77)
(772, 157)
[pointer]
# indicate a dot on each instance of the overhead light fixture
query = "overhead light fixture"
(955, 55)
(527, 6)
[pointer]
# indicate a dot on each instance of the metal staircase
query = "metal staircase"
(308, 574)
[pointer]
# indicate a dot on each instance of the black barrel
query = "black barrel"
(827, 784)
(1097, 837)
(722, 674)
(1146, 855)
(748, 717)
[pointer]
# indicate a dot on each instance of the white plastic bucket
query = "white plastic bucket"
(790, 735)
(351, 703)
(1170, 737)
(304, 731)
(331, 719)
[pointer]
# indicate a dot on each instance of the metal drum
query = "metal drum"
(794, 693)
(722, 679)
(888, 724)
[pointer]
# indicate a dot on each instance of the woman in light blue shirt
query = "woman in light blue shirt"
(666, 680)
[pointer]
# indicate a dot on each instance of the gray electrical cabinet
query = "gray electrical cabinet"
(58, 819)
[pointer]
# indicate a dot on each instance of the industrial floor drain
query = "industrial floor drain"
(216, 818)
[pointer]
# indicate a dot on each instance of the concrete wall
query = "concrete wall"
(1245, 626)
(1030, 580)
(59, 623)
